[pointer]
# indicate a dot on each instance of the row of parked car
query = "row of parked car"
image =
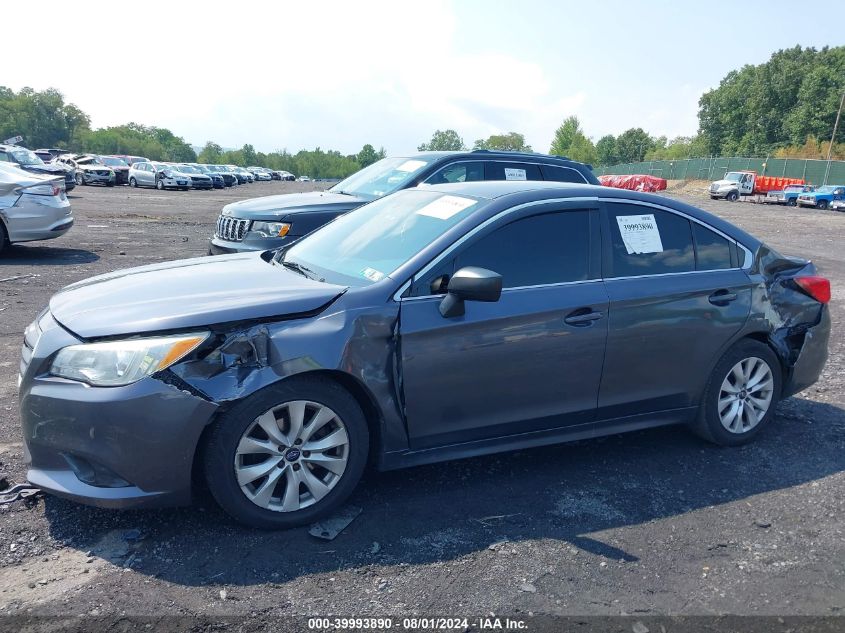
(826, 197)
(136, 171)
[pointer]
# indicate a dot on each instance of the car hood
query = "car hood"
(722, 183)
(185, 294)
(292, 203)
(94, 167)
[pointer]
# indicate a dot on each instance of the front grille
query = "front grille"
(30, 340)
(714, 187)
(231, 229)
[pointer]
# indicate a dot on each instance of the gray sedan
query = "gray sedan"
(432, 324)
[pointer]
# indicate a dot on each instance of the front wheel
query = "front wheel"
(733, 196)
(792, 202)
(133, 182)
(287, 455)
(741, 395)
(80, 179)
(160, 184)
(3, 237)
(822, 204)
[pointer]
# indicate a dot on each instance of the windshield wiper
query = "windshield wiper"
(302, 270)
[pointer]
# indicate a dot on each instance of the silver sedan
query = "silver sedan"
(32, 207)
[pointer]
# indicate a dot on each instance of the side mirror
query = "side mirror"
(470, 284)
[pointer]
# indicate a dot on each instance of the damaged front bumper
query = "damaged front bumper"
(106, 446)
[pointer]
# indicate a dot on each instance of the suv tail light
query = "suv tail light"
(816, 287)
(47, 189)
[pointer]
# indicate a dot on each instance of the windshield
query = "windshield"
(187, 169)
(89, 160)
(381, 178)
(827, 189)
(734, 176)
(25, 157)
(370, 243)
(113, 162)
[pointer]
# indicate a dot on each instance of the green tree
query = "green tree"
(510, 142)
(368, 155)
(41, 117)
(210, 154)
(249, 156)
(606, 150)
(443, 141)
(632, 145)
(565, 135)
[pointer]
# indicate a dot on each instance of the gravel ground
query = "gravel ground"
(646, 523)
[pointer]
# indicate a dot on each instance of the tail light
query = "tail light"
(47, 189)
(816, 287)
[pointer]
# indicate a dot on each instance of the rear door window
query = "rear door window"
(496, 170)
(562, 174)
(648, 241)
(712, 251)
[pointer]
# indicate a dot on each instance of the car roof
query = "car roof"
(482, 154)
(524, 191)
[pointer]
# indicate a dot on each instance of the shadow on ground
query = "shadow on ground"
(444, 511)
(43, 255)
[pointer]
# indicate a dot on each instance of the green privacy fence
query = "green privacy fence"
(812, 171)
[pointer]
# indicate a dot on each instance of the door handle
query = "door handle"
(582, 317)
(722, 297)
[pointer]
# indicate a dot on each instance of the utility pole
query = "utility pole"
(833, 137)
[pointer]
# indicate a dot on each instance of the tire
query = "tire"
(80, 179)
(110, 184)
(4, 238)
(822, 204)
(133, 182)
(733, 196)
(752, 413)
(792, 202)
(160, 184)
(259, 502)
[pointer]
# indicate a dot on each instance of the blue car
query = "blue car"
(823, 197)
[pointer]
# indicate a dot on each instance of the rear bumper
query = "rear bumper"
(812, 357)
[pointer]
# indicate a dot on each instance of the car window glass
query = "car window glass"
(562, 174)
(655, 242)
(457, 172)
(541, 249)
(495, 170)
(4, 157)
(712, 251)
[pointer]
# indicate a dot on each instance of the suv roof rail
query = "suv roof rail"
(514, 151)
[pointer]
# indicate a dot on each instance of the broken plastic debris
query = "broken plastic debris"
(335, 524)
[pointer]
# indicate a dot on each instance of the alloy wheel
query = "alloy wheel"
(292, 456)
(746, 395)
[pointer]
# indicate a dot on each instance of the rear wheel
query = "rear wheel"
(792, 202)
(4, 238)
(133, 182)
(741, 395)
(822, 204)
(80, 179)
(287, 455)
(733, 196)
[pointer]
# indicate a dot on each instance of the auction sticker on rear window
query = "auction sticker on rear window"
(512, 173)
(445, 207)
(640, 234)
(411, 165)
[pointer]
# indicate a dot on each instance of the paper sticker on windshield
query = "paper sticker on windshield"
(372, 274)
(640, 234)
(512, 173)
(445, 207)
(410, 165)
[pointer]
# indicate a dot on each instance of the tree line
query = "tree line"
(783, 108)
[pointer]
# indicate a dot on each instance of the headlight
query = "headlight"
(271, 229)
(118, 363)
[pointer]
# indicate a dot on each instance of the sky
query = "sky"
(338, 74)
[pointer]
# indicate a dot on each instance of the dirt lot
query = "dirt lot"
(645, 523)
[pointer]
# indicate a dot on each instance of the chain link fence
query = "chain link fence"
(815, 172)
